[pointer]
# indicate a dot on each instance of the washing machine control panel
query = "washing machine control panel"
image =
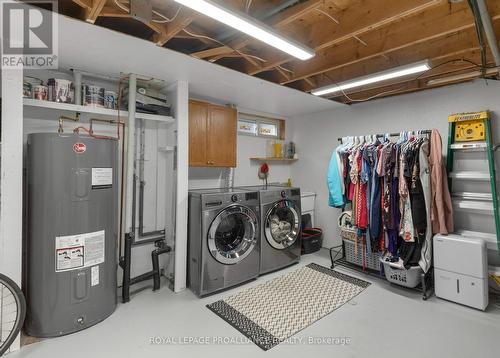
(234, 198)
(283, 194)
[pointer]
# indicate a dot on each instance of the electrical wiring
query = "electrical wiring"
(121, 6)
(328, 15)
(338, 23)
(414, 79)
(285, 69)
(371, 97)
(453, 61)
(223, 44)
(166, 19)
(248, 5)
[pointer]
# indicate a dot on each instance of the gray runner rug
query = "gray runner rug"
(273, 311)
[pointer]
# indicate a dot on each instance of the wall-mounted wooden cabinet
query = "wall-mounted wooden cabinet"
(212, 135)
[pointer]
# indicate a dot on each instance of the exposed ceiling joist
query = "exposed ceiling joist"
(111, 11)
(368, 16)
(278, 21)
(183, 20)
(294, 13)
(432, 25)
(443, 69)
(213, 52)
(86, 4)
(407, 87)
(93, 12)
(352, 38)
(382, 64)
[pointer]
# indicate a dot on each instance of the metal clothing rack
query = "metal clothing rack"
(337, 253)
(426, 279)
(425, 131)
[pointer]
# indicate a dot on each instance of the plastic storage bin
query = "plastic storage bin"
(312, 239)
(361, 258)
(408, 278)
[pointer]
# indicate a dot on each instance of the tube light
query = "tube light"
(376, 77)
(460, 77)
(249, 26)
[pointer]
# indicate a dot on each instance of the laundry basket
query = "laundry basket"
(400, 276)
(312, 239)
(360, 257)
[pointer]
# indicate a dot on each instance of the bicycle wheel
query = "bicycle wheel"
(12, 312)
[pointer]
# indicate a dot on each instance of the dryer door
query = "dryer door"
(282, 224)
(233, 234)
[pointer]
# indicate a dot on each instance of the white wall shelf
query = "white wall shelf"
(93, 111)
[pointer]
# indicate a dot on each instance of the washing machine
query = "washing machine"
(224, 239)
(280, 216)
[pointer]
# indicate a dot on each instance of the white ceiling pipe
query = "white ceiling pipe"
(488, 29)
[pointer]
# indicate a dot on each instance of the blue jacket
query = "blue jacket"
(336, 199)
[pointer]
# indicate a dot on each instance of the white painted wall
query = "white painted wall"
(247, 147)
(11, 175)
(316, 135)
(246, 170)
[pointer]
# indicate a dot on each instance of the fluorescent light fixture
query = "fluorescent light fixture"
(461, 77)
(376, 77)
(249, 26)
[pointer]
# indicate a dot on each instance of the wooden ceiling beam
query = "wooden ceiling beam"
(404, 88)
(294, 13)
(112, 11)
(382, 64)
(446, 70)
(92, 13)
(282, 19)
(86, 4)
(171, 29)
(433, 25)
(366, 16)
(215, 51)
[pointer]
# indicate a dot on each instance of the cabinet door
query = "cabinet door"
(221, 137)
(198, 120)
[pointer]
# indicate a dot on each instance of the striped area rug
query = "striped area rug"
(271, 312)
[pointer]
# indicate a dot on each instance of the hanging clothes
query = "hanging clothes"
(441, 206)
(334, 183)
(425, 179)
(388, 184)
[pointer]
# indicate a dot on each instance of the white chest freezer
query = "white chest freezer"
(461, 270)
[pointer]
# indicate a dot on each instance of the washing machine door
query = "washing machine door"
(233, 234)
(282, 224)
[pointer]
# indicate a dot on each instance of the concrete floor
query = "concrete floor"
(383, 321)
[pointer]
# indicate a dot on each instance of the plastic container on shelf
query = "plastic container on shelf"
(270, 148)
(401, 276)
(278, 149)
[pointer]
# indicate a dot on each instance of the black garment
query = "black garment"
(409, 252)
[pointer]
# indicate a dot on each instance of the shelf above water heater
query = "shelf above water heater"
(99, 112)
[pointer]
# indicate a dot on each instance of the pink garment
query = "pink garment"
(441, 207)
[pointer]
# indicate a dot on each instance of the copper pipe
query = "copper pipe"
(60, 130)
